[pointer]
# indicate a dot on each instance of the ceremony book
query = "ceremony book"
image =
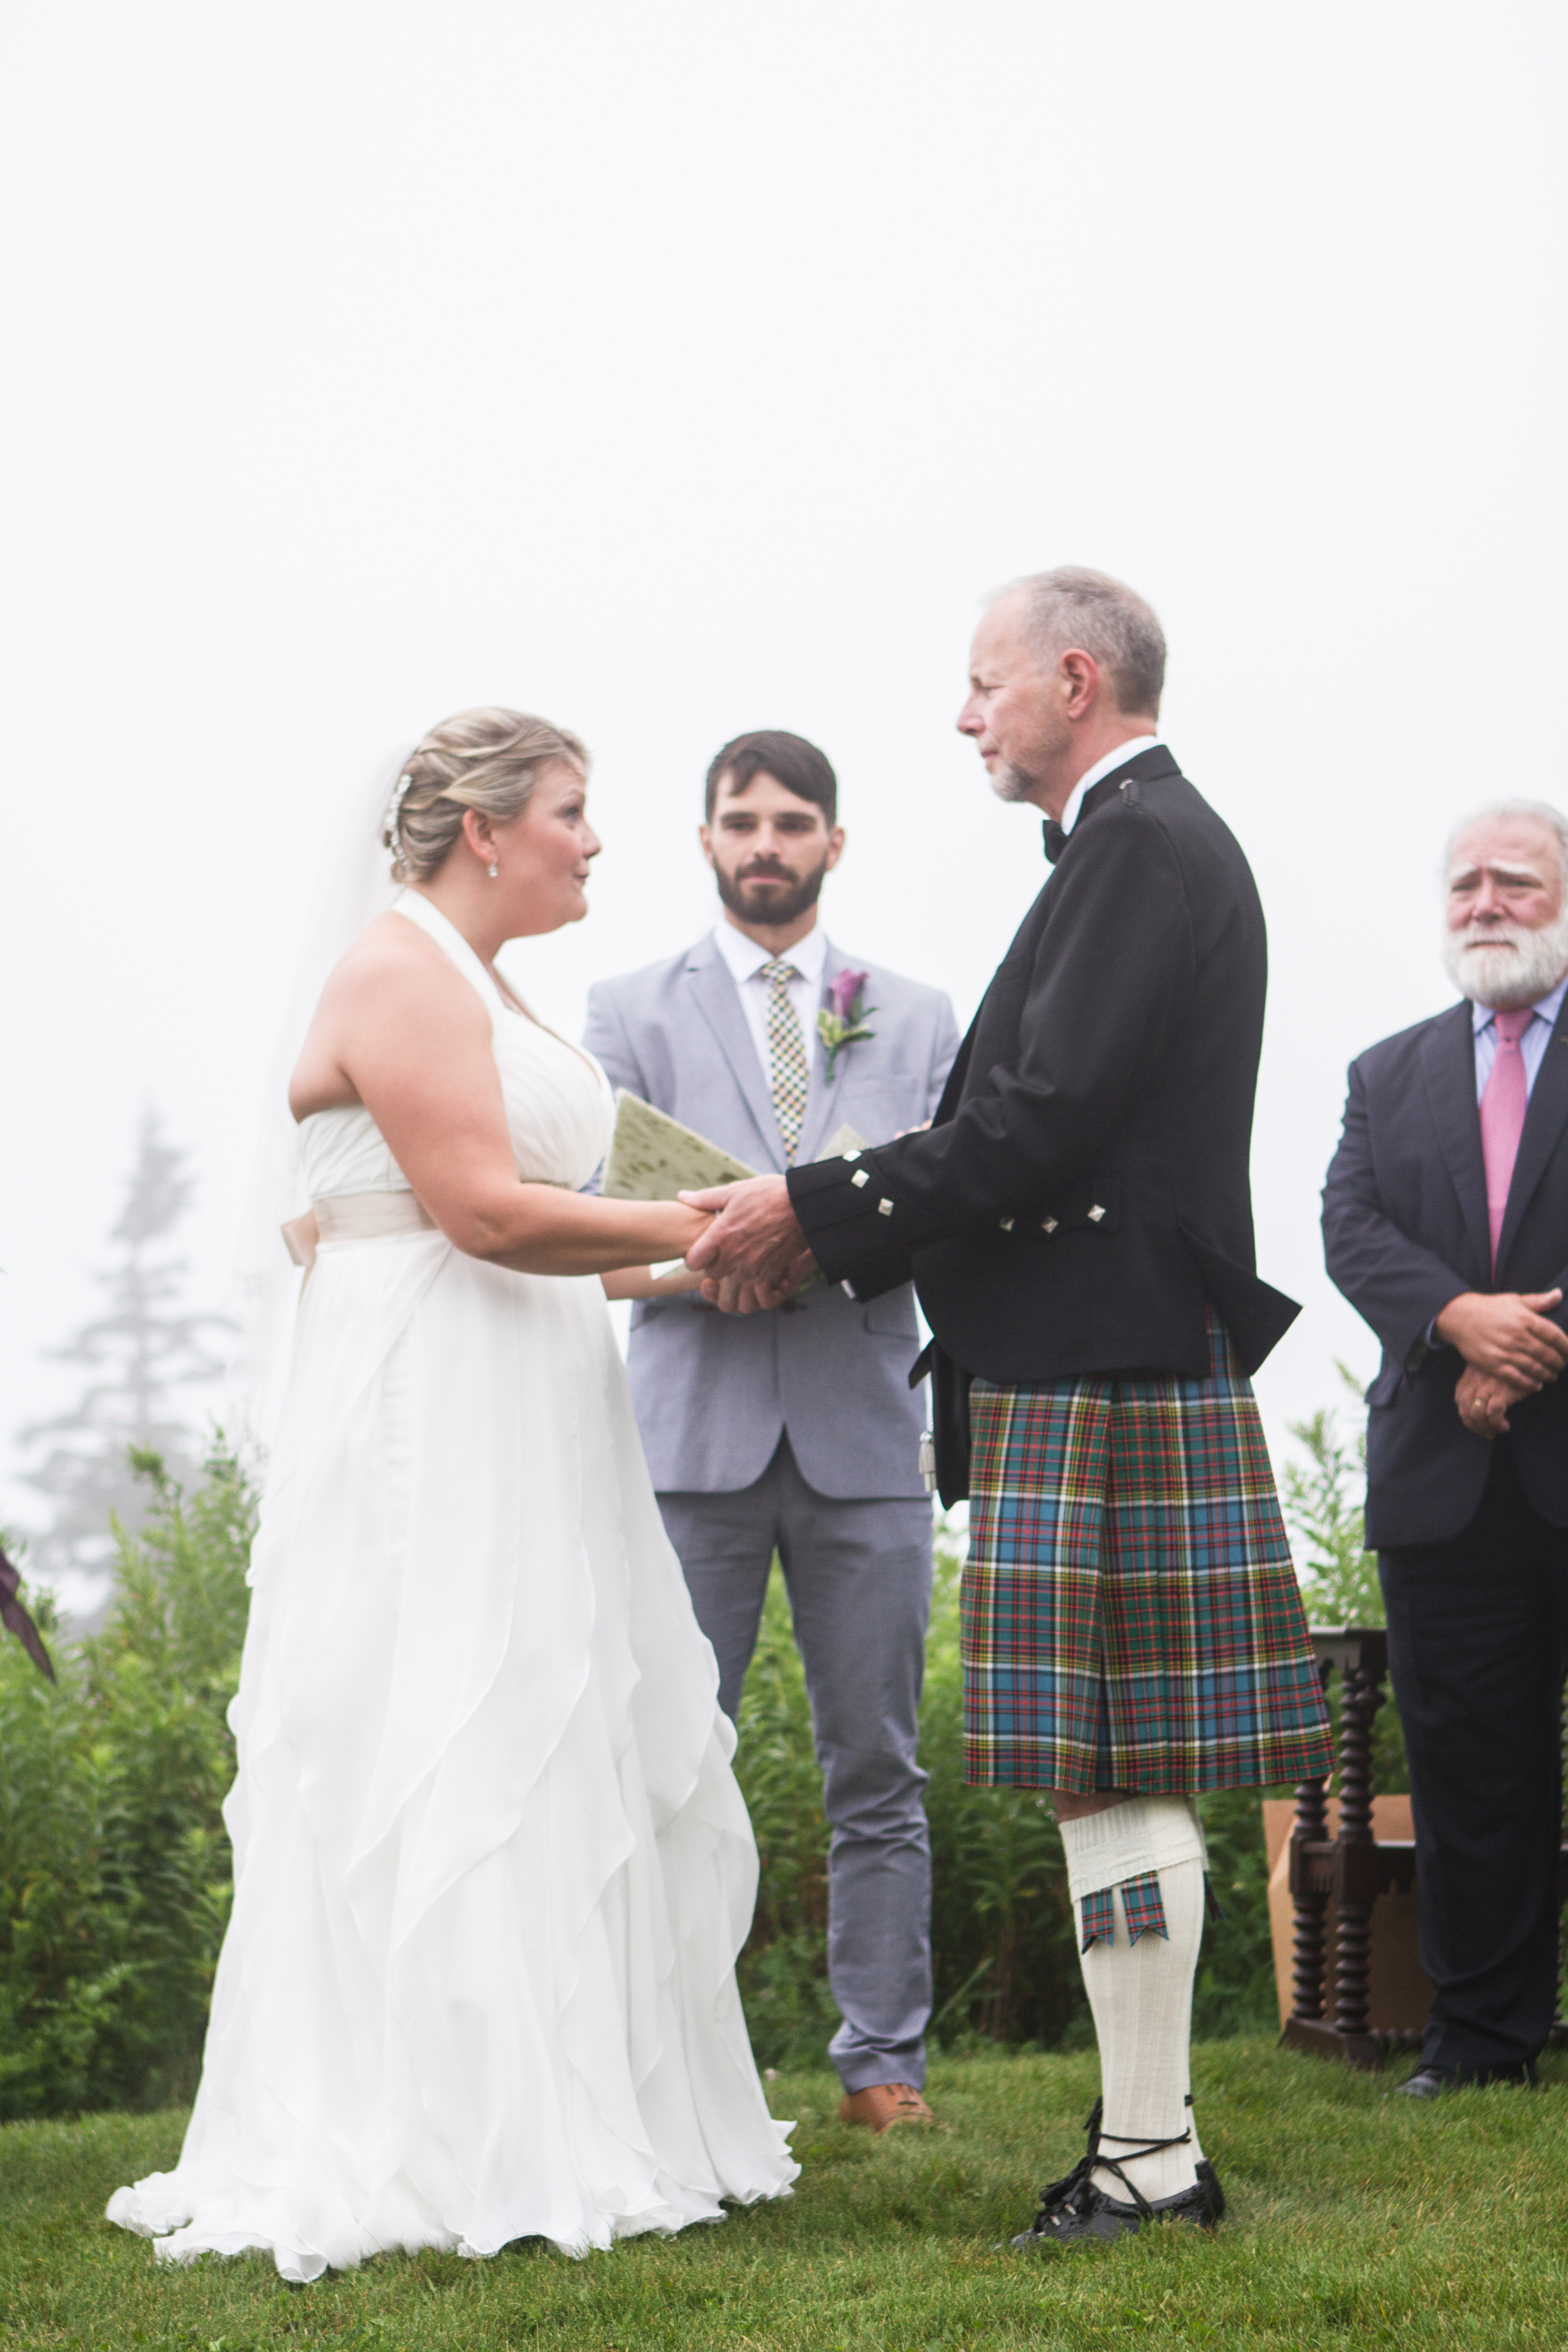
(654, 1157)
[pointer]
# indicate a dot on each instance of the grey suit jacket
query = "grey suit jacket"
(714, 1391)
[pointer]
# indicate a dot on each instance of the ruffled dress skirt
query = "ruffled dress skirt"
(492, 1865)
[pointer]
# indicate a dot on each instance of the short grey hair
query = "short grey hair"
(1075, 606)
(1537, 812)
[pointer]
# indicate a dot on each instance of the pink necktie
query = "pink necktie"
(1503, 1106)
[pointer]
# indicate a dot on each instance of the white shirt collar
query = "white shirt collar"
(745, 958)
(1116, 759)
(1548, 1007)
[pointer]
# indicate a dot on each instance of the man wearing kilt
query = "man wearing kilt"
(1079, 1224)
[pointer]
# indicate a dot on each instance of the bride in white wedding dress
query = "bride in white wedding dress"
(492, 1865)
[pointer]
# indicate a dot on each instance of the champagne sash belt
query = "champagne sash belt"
(355, 1217)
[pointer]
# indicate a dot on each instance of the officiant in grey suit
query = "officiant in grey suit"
(797, 1431)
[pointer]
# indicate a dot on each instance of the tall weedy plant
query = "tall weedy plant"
(115, 1872)
(1323, 1500)
(1000, 1926)
(115, 1869)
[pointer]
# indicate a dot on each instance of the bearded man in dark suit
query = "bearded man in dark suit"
(1078, 1226)
(1445, 1223)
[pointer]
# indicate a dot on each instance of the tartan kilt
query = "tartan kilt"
(1130, 1618)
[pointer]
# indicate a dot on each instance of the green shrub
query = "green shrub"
(115, 1873)
(1339, 1585)
(1002, 1928)
(1001, 1924)
(1322, 1497)
(1235, 1991)
(783, 1967)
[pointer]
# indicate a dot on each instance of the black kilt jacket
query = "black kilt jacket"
(1083, 1194)
(1405, 1230)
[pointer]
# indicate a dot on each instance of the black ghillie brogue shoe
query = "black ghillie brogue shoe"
(1074, 2212)
(1435, 2082)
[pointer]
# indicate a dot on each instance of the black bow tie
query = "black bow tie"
(1055, 839)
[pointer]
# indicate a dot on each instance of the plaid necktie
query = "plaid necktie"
(788, 1070)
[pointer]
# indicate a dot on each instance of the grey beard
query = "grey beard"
(783, 907)
(1011, 784)
(1507, 976)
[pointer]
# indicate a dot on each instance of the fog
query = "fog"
(674, 372)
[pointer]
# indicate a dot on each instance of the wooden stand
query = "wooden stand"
(1351, 1869)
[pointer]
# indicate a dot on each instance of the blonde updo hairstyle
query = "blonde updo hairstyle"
(486, 760)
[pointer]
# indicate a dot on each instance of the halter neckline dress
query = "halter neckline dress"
(492, 1867)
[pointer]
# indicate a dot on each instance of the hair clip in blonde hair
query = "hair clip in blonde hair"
(394, 812)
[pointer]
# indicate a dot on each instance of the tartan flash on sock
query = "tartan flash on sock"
(1099, 1917)
(1141, 1905)
(1145, 1912)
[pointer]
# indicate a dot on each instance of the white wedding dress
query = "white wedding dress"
(492, 1865)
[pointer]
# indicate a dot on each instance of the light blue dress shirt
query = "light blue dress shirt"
(1532, 1045)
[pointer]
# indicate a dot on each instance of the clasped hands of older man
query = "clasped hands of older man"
(1510, 1347)
(753, 1255)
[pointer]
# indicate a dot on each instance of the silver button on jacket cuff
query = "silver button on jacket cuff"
(1094, 1215)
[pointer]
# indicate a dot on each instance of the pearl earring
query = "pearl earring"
(495, 871)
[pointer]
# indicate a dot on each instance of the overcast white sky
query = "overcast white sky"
(675, 371)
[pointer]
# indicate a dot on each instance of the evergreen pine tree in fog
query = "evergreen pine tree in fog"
(146, 1355)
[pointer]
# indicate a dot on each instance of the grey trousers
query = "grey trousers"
(858, 1575)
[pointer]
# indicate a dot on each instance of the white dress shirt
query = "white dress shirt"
(746, 959)
(1116, 759)
(1533, 1045)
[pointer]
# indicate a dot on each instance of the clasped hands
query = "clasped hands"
(753, 1253)
(1510, 1347)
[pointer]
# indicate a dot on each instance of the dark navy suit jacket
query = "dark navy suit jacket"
(1404, 1231)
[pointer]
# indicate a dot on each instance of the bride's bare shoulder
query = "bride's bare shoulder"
(394, 997)
(393, 952)
(393, 972)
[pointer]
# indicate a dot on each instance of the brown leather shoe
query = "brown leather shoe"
(883, 2106)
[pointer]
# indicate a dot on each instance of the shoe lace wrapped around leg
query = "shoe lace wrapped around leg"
(1070, 2188)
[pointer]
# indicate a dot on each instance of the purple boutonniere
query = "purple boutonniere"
(842, 1019)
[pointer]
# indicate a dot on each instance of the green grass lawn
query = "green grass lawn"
(1353, 2220)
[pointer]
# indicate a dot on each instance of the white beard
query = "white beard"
(1504, 966)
